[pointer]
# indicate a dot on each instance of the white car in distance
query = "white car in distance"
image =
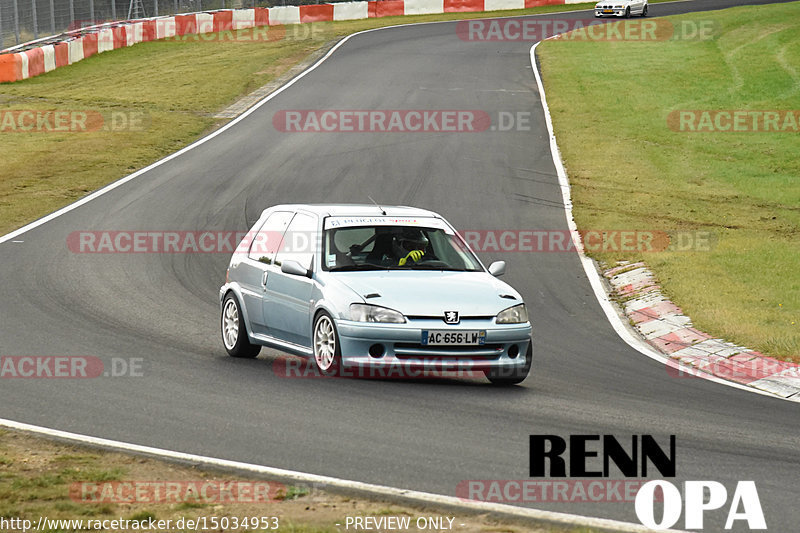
(620, 8)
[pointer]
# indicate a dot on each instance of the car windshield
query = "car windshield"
(395, 248)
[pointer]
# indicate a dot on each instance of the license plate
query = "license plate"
(608, 11)
(453, 338)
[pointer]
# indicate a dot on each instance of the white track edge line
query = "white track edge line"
(376, 490)
(588, 266)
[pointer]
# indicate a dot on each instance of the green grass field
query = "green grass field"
(632, 169)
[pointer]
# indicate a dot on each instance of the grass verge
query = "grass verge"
(38, 479)
(632, 165)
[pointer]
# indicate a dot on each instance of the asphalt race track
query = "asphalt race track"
(424, 435)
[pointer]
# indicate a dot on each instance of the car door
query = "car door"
(287, 305)
(251, 273)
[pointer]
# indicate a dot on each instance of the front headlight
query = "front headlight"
(513, 315)
(374, 313)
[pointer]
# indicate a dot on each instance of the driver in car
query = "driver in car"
(410, 244)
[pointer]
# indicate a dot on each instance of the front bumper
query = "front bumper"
(615, 12)
(400, 345)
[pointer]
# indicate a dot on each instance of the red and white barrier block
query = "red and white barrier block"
(350, 10)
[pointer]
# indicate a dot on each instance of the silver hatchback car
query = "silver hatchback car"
(368, 286)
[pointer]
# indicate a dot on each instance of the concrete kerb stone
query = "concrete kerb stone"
(663, 325)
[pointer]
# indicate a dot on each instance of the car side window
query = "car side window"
(266, 241)
(299, 241)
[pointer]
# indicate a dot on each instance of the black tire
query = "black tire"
(234, 332)
(644, 11)
(325, 343)
(627, 12)
(512, 377)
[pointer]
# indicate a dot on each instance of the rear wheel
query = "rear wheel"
(327, 352)
(644, 10)
(234, 333)
(512, 377)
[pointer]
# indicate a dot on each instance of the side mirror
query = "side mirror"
(497, 269)
(293, 268)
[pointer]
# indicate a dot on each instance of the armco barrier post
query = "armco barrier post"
(16, 22)
(35, 20)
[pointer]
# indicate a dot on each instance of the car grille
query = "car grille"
(469, 322)
(485, 352)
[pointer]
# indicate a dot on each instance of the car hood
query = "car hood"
(431, 293)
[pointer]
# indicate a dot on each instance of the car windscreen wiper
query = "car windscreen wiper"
(354, 268)
(433, 267)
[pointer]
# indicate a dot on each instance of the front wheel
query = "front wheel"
(627, 12)
(234, 333)
(504, 376)
(327, 352)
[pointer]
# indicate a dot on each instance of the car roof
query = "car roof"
(324, 210)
